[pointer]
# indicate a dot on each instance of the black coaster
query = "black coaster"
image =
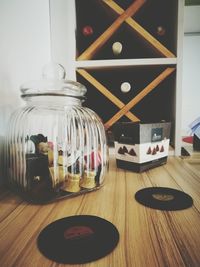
(163, 198)
(78, 239)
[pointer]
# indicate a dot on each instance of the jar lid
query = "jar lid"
(53, 82)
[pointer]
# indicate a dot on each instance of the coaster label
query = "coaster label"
(78, 232)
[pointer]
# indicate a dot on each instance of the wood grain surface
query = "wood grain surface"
(148, 237)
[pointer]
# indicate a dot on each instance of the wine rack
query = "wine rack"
(140, 104)
(145, 27)
(128, 53)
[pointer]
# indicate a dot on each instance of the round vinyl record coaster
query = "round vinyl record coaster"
(163, 198)
(78, 239)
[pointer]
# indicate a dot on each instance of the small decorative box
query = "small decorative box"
(141, 146)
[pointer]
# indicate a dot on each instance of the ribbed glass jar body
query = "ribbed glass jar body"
(55, 148)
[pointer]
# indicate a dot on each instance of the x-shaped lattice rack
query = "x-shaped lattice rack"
(125, 16)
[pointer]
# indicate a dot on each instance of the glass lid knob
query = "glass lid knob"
(53, 71)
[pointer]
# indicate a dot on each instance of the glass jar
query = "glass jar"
(55, 146)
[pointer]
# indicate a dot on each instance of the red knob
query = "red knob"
(161, 30)
(87, 30)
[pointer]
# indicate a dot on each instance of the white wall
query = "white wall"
(191, 68)
(24, 49)
(191, 19)
(191, 82)
(63, 34)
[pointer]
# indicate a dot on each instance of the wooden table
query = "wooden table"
(148, 237)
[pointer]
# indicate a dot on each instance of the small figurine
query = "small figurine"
(72, 183)
(88, 180)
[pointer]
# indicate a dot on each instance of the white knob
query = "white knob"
(117, 48)
(125, 87)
